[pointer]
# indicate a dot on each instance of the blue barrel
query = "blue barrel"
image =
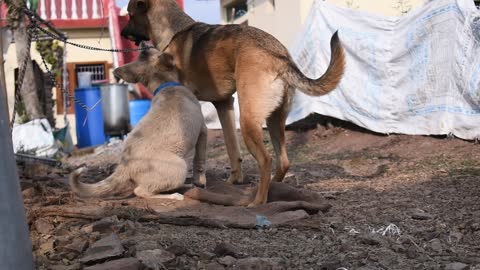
(138, 108)
(89, 123)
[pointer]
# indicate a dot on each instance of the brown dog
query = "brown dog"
(215, 61)
(155, 152)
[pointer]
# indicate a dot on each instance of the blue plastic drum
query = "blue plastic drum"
(138, 109)
(89, 123)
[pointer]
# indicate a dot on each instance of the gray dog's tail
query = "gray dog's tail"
(328, 81)
(116, 186)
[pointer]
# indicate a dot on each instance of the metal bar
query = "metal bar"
(15, 244)
(25, 157)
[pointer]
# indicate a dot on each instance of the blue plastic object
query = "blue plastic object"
(138, 109)
(261, 222)
(89, 123)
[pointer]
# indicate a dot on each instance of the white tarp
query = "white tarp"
(416, 74)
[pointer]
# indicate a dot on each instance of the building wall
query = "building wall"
(91, 37)
(384, 7)
(284, 20)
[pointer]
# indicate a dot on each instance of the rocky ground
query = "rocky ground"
(398, 202)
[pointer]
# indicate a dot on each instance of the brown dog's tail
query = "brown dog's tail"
(328, 81)
(116, 186)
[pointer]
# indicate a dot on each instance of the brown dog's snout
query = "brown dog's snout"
(126, 32)
(129, 33)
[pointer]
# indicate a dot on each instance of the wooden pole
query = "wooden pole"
(2, 68)
(15, 244)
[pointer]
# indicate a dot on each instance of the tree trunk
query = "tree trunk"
(29, 90)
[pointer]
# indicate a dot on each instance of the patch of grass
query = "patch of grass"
(361, 155)
(468, 167)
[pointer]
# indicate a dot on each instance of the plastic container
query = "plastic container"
(138, 109)
(89, 124)
(84, 79)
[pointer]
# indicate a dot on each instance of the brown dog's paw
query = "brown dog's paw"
(193, 193)
(235, 179)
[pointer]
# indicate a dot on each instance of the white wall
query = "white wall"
(285, 20)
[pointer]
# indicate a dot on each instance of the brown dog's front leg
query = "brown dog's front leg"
(226, 115)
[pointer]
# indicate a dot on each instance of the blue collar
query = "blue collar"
(165, 85)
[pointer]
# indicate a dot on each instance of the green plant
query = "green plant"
(52, 51)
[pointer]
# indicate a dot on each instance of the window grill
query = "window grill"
(98, 71)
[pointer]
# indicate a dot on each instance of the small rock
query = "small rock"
(128, 226)
(146, 245)
(58, 256)
(365, 267)
(332, 264)
(72, 255)
(436, 245)
(105, 248)
(260, 263)
(105, 225)
(412, 253)
(76, 266)
(29, 193)
(370, 239)
(398, 248)
(121, 264)
(46, 247)
(177, 250)
(129, 242)
(43, 226)
(62, 241)
(88, 228)
(224, 249)
(77, 246)
(155, 258)
(420, 215)
(214, 266)
(227, 260)
(456, 266)
(206, 256)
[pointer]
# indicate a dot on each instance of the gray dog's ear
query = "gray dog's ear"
(143, 44)
(167, 60)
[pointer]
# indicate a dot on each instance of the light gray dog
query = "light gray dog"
(155, 152)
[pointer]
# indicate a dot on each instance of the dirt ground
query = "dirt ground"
(398, 202)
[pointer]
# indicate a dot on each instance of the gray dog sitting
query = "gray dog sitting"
(155, 152)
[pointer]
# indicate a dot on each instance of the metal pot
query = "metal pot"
(116, 115)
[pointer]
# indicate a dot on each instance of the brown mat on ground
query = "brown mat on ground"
(220, 205)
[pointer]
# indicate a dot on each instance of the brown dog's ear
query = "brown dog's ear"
(167, 60)
(141, 6)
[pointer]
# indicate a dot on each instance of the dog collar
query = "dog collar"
(165, 85)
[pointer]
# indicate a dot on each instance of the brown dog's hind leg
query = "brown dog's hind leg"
(226, 115)
(253, 136)
(276, 128)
